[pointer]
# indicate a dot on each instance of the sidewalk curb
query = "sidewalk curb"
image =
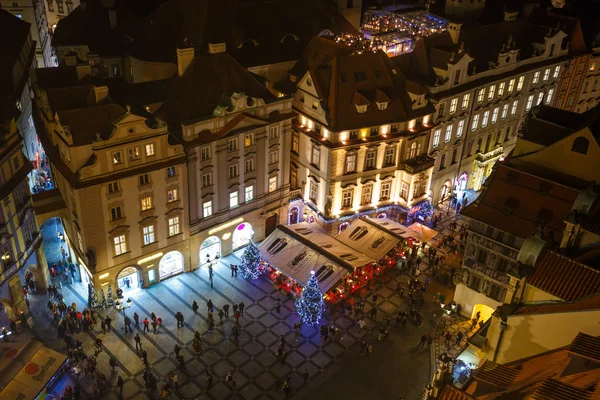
(432, 355)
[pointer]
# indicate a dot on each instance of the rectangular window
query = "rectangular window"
(495, 115)
(116, 213)
(172, 195)
(390, 156)
(232, 144)
(316, 156)
(491, 92)
(501, 89)
(459, 130)
(479, 145)
(113, 187)
(273, 157)
(117, 157)
(546, 74)
(146, 203)
(448, 134)
(272, 184)
(507, 137)
(521, 82)
(480, 95)
(295, 143)
(529, 103)
(454, 156)
(315, 105)
(248, 139)
(420, 188)
(233, 199)
(539, 99)
(120, 245)
(233, 171)
(273, 132)
(475, 122)
(443, 161)
(385, 191)
(370, 160)
(366, 195)
(61, 7)
(556, 72)
(404, 190)
(513, 110)
(347, 196)
(536, 77)
(207, 209)
(249, 165)
(453, 105)
(144, 179)
(171, 172)
(350, 163)
(465, 101)
(374, 131)
(149, 149)
(174, 222)
(484, 121)
(248, 193)
(314, 192)
(206, 180)
(457, 77)
(504, 111)
(511, 85)
(134, 153)
(436, 137)
(293, 178)
(549, 96)
(205, 154)
(353, 135)
(148, 234)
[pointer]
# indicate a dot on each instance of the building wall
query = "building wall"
(469, 298)
(590, 89)
(571, 82)
(528, 335)
(24, 9)
(273, 73)
(535, 295)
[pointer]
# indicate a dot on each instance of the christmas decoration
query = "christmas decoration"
(102, 299)
(92, 299)
(310, 305)
(109, 300)
(250, 267)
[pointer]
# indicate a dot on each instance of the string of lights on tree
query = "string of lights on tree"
(310, 305)
(250, 266)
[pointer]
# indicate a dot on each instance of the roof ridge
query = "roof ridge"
(536, 176)
(573, 261)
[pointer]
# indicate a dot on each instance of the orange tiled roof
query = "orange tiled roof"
(495, 374)
(552, 389)
(590, 303)
(525, 194)
(450, 392)
(586, 345)
(564, 278)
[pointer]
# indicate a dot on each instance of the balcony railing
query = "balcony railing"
(499, 277)
(490, 155)
(418, 164)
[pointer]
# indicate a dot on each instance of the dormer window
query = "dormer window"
(382, 106)
(361, 109)
(308, 82)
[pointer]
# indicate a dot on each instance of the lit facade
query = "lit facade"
(589, 96)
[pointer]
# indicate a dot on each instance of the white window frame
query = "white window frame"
(501, 89)
(495, 115)
(549, 96)
(404, 190)
(386, 189)
(371, 159)
(249, 193)
(249, 139)
(546, 74)
(172, 195)
(536, 77)
(460, 127)
(232, 144)
(148, 234)
(350, 163)
(116, 213)
(315, 156)
(453, 105)
(146, 203)
(511, 86)
(556, 71)
(448, 134)
(529, 103)
(174, 225)
(475, 123)
(366, 194)
(272, 183)
(120, 244)
(233, 171)
(249, 165)
(234, 200)
(207, 180)
(133, 153)
(149, 147)
(504, 111)
(273, 132)
(484, 120)
(347, 198)
(207, 209)
(513, 110)
(481, 95)
(313, 193)
(436, 137)
(390, 156)
(117, 158)
(540, 98)
(521, 82)
(274, 157)
(465, 101)
(205, 153)
(491, 92)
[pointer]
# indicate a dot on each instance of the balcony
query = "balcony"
(490, 156)
(419, 164)
(501, 278)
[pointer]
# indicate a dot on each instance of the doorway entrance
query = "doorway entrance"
(445, 191)
(129, 278)
(171, 264)
(293, 215)
(270, 224)
(242, 235)
(209, 250)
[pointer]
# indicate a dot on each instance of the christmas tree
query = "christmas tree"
(92, 299)
(109, 300)
(102, 299)
(250, 262)
(310, 305)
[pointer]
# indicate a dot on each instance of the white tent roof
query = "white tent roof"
(368, 238)
(298, 249)
(394, 228)
(425, 233)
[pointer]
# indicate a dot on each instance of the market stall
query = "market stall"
(27, 369)
(290, 253)
(424, 233)
(363, 236)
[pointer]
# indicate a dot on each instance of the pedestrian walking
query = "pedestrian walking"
(138, 342)
(277, 306)
(210, 305)
(221, 315)
(374, 312)
(375, 298)
(177, 349)
(136, 320)
(226, 311)
(232, 267)
(113, 363)
(146, 323)
(154, 325)
(423, 341)
(241, 308)
(180, 319)
(429, 341)
(120, 384)
(305, 376)
(195, 307)
(128, 324)
(108, 322)
(237, 317)
(145, 357)
(98, 345)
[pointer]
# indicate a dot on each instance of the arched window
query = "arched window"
(580, 145)
(413, 151)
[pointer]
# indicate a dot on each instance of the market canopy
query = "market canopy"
(298, 249)
(368, 238)
(394, 228)
(26, 368)
(424, 232)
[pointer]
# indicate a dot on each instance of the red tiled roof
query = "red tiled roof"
(450, 392)
(529, 204)
(586, 345)
(86, 123)
(563, 277)
(590, 303)
(495, 374)
(552, 389)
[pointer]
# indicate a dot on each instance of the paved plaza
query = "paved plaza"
(397, 368)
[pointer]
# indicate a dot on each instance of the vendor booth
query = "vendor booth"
(424, 233)
(363, 236)
(26, 369)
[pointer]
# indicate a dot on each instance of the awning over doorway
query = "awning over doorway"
(365, 236)
(298, 249)
(26, 369)
(424, 232)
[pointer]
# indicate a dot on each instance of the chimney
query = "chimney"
(454, 31)
(112, 18)
(184, 59)
(100, 92)
(217, 48)
(83, 71)
(510, 15)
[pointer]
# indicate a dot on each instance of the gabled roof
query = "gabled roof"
(56, 77)
(86, 123)
(587, 304)
(71, 97)
(516, 202)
